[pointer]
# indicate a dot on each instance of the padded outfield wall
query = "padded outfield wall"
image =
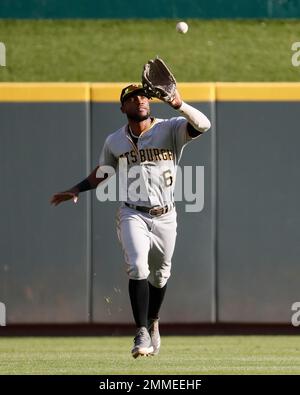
(237, 260)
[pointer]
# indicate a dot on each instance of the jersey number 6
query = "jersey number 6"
(168, 178)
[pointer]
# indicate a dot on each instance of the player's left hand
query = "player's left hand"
(177, 101)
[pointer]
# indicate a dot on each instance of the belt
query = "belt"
(156, 211)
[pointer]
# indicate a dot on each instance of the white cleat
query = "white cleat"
(142, 343)
(153, 329)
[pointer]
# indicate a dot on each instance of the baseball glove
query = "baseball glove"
(158, 81)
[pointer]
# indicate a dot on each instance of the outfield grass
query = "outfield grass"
(104, 50)
(179, 355)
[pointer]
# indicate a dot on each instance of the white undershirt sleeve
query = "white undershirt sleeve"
(195, 117)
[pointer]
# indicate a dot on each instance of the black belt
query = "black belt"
(156, 211)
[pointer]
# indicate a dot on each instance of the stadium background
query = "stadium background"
(235, 262)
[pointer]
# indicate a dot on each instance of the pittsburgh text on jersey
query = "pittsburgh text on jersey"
(147, 155)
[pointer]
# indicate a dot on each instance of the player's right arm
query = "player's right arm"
(91, 182)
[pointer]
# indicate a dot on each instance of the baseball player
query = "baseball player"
(146, 224)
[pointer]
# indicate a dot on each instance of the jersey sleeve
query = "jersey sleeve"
(180, 134)
(107, 158)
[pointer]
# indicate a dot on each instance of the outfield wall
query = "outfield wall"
(151, 9)
(235, 261)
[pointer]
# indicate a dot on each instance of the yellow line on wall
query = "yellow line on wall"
(44, 92)
(197, 91)
(258, 91)
(107, 92)
(110, 92)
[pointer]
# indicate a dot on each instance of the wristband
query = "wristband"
(84, 185)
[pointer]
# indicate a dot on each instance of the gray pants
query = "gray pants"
(148, 244)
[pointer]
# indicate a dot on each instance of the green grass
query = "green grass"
(106, 50)
(179, 355)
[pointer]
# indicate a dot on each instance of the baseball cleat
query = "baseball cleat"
(154, 334)
(142, 343)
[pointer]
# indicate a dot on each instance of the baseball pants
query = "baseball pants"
(148, 244)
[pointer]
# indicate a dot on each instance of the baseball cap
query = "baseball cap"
(132, 89)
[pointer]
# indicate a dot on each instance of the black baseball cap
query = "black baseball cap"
(131, 90)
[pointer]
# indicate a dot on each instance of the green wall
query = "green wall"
(150, 9)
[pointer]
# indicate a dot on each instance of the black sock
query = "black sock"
(139, 297)
(156, 297)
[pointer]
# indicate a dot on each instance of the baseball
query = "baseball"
(182, 27)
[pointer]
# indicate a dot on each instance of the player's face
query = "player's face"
(137, 108)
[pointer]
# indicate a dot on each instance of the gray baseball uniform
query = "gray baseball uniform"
(147, 240)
